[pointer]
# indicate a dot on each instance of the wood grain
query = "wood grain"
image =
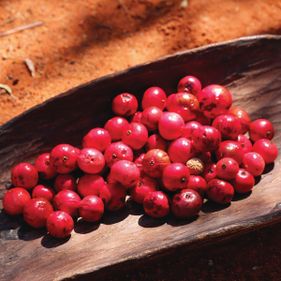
(250, 67)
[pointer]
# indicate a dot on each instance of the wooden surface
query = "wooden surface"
(250, 67)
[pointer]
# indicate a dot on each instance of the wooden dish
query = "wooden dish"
(250, 67)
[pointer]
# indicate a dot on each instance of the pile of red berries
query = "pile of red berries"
(179, 150)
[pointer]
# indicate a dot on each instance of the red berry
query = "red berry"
(60, 224)
(45, 169)
(214, 100)
(202, 119)
(229, 126)
(42, 191)
(90, 185)
(117, 197)
(190, 84)
(115, 127)
(136, 118)
(186, 204)
(189, 129)
(154, 162)
(227, 168)
(154, 96)
(67, 201)
(36, 212)
(118, 151)
(230, 149)
(155, 141)
(97, 138)
(210, 172)
(198, 184)
(14, 200)
(156, 204)
(138, 161)
(64, 158)
(220, 191)
(253, 163)
(170, 125)
(91, 208)
(180, 150)
(125, 104)
(261, 129)
(175, 176)
(185, 104)
(206, 138)
(142, 188)
(243, 117)
(245, 143)
(135, 135)
(65, 182)
(150, 117)
(125, 172)
(91, 161)
(24, 175)
(266, 149)
(243, 182)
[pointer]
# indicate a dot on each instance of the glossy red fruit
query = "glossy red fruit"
(67, 201)
(125, 104)
(180, 150)
(206, 138)
(135, 135)
(90, 185)
(36, 212)
(138, 161)
(245, 143)
(64, 158)
(118, 151)
(42, 191)
(60, 224)
(243, 182)
(202, 119)
(214, 100)
(142, 188)
(155, 141)
(65, 182)
(154, 162)
(136, 118)
(91, 208)
(14, 200)
(154, 96)
(45, 169)
(125, 172)
(210, 172)
(243, 117)
(150, 117)
(186, 204)
(229, 126)
(175, 176)
(261, 129)
(115, 127)
(190, 84)
(185, 104)
(97, 138)
(170, 125)
(117, 197)
(266, 149)
(227, 168)
(156, 204)
(189, 129)
(230, 149)
(91, 161)
(24, 175)
(253, 163)
(195, 166)
(198, 184)
(220, 191)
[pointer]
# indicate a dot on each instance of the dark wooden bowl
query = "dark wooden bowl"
(250, 67)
